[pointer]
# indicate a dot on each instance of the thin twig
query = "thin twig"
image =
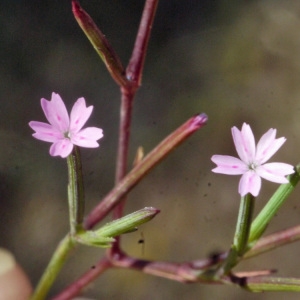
(76, 287)
(133, 74)
(139, 171)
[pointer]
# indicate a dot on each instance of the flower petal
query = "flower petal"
(229, 165)
(87, 137)
(45, 132)
(250, 183)
(244, 143)
(79, 115)
(268, 146)
(59, 132)
(56, 112)
(275, 172)
(61, 148)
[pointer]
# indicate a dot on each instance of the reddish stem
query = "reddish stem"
(275, 240)
(139, 171)
(133, 73)
(100, 44)
(124, 135)
(135, 67)
(181, 272)
(76, 287)
(124, 185)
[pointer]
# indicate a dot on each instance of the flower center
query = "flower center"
(67, 135)
(252, 166)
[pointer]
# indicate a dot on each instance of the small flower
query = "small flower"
(65, 132)
(251, 164)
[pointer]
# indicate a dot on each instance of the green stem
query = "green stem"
(272, 284)
(76, 211)
(240, 240)
(75, 191)
(57, 261)
(261, 222)
(243, 224)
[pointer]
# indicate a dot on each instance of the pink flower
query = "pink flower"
(65, 132)
(251, 164)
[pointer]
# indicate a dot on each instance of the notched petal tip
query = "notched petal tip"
(61, 148)
(79, 115)
(250, 182)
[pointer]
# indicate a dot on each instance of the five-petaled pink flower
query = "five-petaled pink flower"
(65, 132)
(251, 164)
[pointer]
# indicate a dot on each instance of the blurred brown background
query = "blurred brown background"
(238, 61)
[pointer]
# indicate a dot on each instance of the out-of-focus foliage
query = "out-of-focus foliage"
(238, 61)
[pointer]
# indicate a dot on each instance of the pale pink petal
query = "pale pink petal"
(56, 112)
(59, 132)
(275, 172)
(61, 148)
(87, 137)
(45, 132)
(265, 143)
(265, 151)
(244, 143)
(79, 115)
(250, 183)
(268, 146)
(229, 165)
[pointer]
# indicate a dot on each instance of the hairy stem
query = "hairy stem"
(75, 191)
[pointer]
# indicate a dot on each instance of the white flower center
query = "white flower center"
(67, 135)
(252, 166)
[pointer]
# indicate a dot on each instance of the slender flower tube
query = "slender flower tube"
(251, 164)
(63, 131)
